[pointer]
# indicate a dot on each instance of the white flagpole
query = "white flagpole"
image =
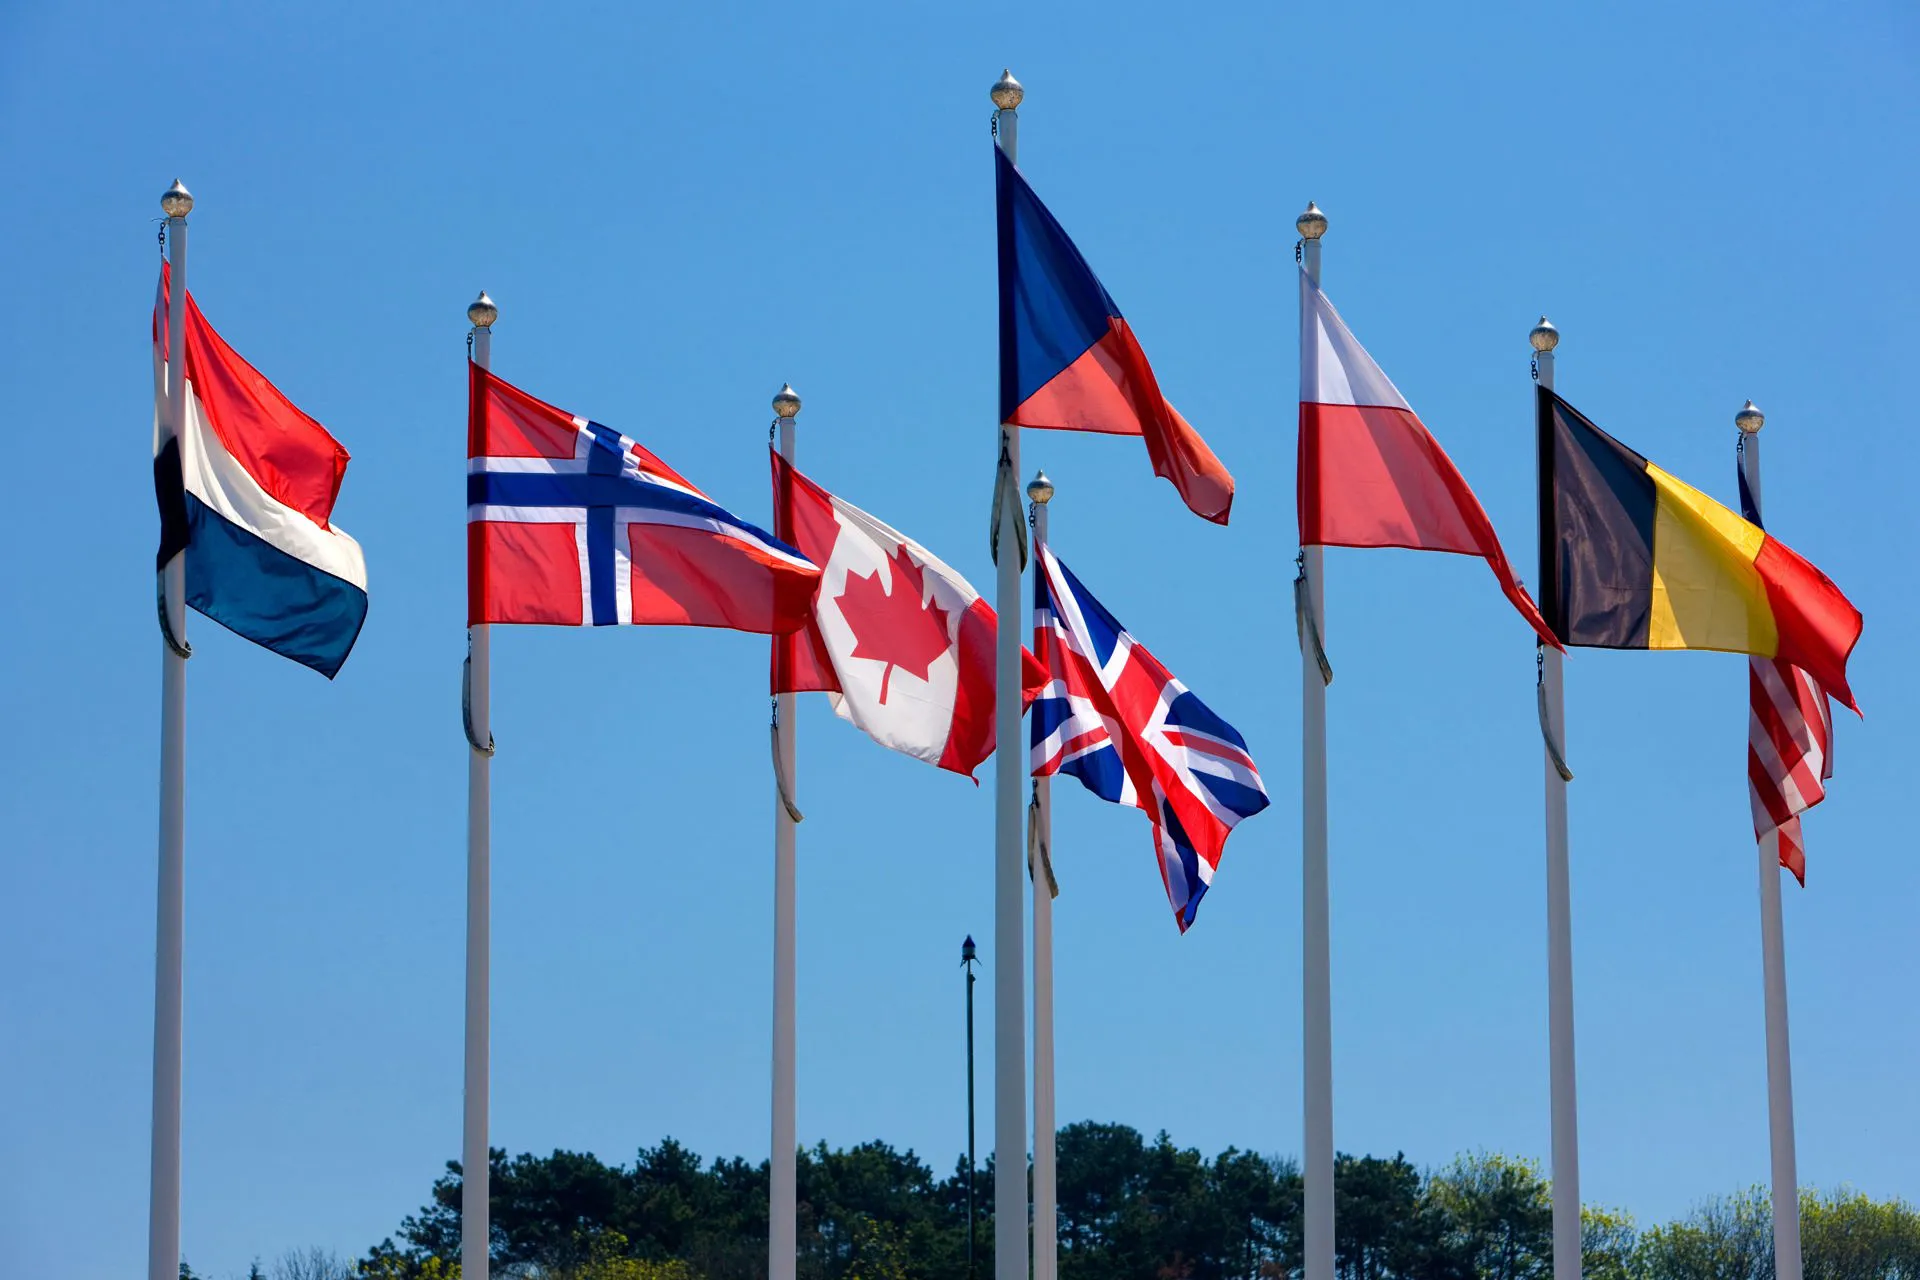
(163, 1210)
(1566, 1121)
(475, 1155)
(1010, 1257)
(1773, 960)
(1046, 1260)
(1315, 912)
(783, 1197)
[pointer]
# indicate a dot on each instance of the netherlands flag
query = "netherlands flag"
(246, 486)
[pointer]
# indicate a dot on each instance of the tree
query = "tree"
(1846, 1236)
(1608, 1244)
(1129, 1209)
(1728, 1238)
(1498, 1217)
(311, 1264)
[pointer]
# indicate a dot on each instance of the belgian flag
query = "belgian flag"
(1633, 558)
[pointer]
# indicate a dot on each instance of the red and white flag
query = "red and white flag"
(902, 643)
(1371, 474)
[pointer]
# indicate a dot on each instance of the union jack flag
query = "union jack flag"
(1114, 718)
(1789, 739)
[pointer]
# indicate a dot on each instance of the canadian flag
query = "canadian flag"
(902, 644)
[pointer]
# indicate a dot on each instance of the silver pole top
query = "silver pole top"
(786, 403)
(178, 201)
(1750, 419)
(1544, 336)
(1007, 92)
(1312, 224)
(1040, 489)
(481, 312)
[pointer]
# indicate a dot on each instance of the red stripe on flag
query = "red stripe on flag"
(1371, 476)
(1818, 625)
(1111, 389)
(803, 519)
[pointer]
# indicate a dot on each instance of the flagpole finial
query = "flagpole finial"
(1040, 489)
(1008, 92)
(786, 403)
(1750, 419)
(1312, 224)
(968, 953)
(481, 312)
(178, 201)
(1544, 336)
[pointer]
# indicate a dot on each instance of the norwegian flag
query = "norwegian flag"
(1113, 717)
(572, 524)
(1789, 742)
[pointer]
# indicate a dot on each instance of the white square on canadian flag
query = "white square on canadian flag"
(908, 641)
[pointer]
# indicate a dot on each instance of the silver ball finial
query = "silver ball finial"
(1312, 224)
(786, 404)
(178, 201)
(481, 312)
(1750, 419)
(1544, 336)
(1040, 489)
(1008, 92)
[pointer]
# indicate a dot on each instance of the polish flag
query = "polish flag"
(1371, 474)
(902, 644)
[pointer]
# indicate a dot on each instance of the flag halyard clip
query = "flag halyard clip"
(1305, 623)
(1006, 497)
(466, 709)
(779, 775)
(181, 649)
(1558, 760)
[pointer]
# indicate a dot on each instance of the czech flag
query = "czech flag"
(246, 486)
(1633, 558)
(1069, 361)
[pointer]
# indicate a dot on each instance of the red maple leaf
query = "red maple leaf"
(896, 628)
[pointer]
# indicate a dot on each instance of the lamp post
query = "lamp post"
(968, 958)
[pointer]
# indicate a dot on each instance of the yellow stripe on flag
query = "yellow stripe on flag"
(1706, 592)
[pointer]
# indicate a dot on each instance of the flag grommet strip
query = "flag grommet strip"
(466, 708)
(1305, 623)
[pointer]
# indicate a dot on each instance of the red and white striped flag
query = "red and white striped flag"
(1789, 755)
(1789, 737)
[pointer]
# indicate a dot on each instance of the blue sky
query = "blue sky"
(678, 207)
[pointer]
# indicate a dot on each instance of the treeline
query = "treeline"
(1129, 1209)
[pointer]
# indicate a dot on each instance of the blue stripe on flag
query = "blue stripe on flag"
(258, 591)
(1188, 712)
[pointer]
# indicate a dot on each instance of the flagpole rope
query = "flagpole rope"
(779, 774)
(1006, 490)
(1546, 731)
(1305, 624)
(466, 709)
(1039, 859)
(181, 649)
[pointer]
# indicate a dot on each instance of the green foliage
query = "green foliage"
(1608, 1239)
(1846, 1236)
(1728, 1238)
(1129, 1209)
